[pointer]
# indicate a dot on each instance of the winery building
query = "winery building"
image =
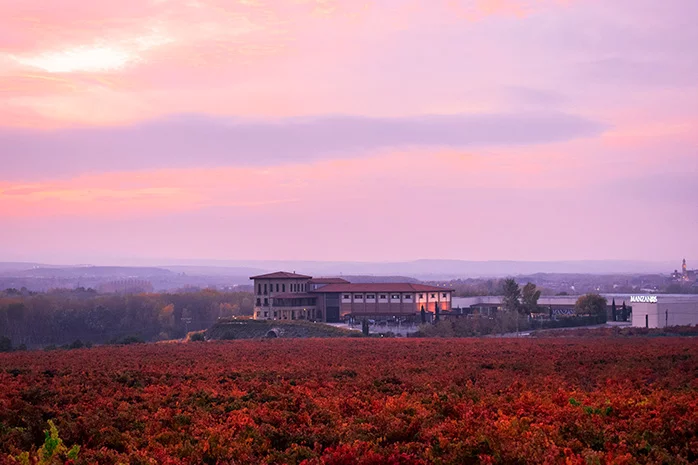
(290, 296)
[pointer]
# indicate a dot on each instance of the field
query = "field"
(365, 401)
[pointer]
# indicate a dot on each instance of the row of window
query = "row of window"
(392, 296)
(293, 287)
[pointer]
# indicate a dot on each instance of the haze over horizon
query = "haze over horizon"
(337, 130)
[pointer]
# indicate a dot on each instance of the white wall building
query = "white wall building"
(659, 311)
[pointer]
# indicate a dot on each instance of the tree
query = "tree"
(512, 294)
(364, 326)
(424, 315)
(437, 313)
(529, 298)
(613, 310)
(16, 311)
(624, 312)
(592, 305)
(5, 344)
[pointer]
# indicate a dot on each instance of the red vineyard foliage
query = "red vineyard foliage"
(359, 401)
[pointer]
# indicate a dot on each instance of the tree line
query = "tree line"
(66, 316)
(524, 301)
(518, 313)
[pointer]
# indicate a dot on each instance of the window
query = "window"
(358, 296)
(265, 289)
(384, 296)
(370, 296)
(276, 314)
(283, 287)
(443, 295)
(433, 296)
(259, 289)
(421, 296)
(395, 296)
(259, 301)
(266, 302)
(277, 287)
(266, 314)
(346, 296)
(408, 297)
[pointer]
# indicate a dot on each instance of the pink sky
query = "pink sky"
(348, 129)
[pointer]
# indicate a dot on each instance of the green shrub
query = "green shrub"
(128, 340)
(53, 451)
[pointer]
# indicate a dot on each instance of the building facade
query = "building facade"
(660, 311)
(290, 296)
(283, 296)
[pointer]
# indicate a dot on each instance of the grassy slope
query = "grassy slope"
(252, 329)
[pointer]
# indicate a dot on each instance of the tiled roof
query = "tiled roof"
(370, 314)
(328, 281)
(381, 287)
(281, 275)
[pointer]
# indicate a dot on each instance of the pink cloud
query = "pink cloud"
(215, 56)
(106, 65)
(364, 181)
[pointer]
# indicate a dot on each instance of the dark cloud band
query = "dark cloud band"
(187, 141)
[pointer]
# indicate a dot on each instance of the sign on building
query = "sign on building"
(644, 299)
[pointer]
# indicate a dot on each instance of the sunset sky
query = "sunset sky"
(348, 129)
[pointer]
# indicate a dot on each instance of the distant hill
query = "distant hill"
(237, 271)
(17, 266)
(228, 273)
(446, 269)
(88, 271)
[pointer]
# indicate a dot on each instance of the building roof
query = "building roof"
(328, 281)
(281, 275)
(293, 295)
(380, 287)
(370, 314)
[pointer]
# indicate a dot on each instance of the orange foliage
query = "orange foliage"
(360, 401)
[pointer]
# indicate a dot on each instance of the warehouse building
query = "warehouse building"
(290, 296)
(660, 311)
(646, 311)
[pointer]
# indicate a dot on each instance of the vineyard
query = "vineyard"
(346, 401)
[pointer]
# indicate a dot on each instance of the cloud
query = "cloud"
(622, 71)
(527, 97)
(186, 141)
